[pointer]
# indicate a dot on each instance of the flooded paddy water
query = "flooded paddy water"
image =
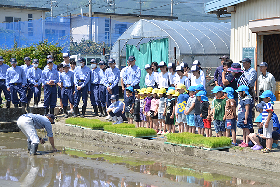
(77, 165)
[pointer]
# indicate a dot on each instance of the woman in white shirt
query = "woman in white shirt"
(154, 66)
(196, 77)
(149, 79)
(198, 64)
(181, 78)
(172, 74)
(163, 78)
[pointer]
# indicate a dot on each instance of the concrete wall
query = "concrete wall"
(241, 35)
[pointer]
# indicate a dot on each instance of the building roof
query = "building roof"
(190, 38)
(25, 7)
(142, 16)
(216, 5)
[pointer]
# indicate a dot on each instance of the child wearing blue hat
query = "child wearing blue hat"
(189, 109)
(268, 97)
(202, 113)
(245, 107)
(219, 111)
(257, 139)
(129, 104)
(230, 114)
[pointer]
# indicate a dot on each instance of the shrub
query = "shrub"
(198, 140)
(112, 128)
(90, 123)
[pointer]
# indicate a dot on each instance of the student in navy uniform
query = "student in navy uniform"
(132, 75)
(112, 77)
(102, 88)
(60, 70)
(49, 79)
(34, 75)
(81, 80)
(15, 82)
(3, 87)
(25, 68)
(50, 57)
(66, 82)
(93, 87)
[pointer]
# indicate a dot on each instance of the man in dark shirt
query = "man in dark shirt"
(219, 70)
(229, 80)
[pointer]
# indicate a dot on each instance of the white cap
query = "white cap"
(196, 62)
(179, 68)
(65, 55)
(169, 65)
(147, 66)
(194, 68)
(162, 63)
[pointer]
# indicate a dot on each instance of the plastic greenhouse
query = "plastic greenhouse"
(160, 40)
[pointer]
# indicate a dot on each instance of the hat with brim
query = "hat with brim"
(243, 88)
(245, 60)
(161, 64)
(269, 94)
(201, 93)
(147, 66)
(130, 88)
(194, 68)
(263, 64)
(52, 117)
(217, 89)
(235, 67)
(224, 57)
(258, 119)
(191, 89)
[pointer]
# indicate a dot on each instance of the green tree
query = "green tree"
(39, 51)
(88, 47)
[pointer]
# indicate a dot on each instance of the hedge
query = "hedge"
(198, 140)
(90, 123)
(112, 128)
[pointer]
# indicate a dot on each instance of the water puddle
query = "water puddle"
(72, 167)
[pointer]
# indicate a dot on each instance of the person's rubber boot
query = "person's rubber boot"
(46, 111)
(83, 112)
(23, 107)
(104, 112)
(65, 112)
(52, 111)
(16, 105)
(8, 104)
(33, 149)
(100, 110)
(95, 111)
(28, 146)
(75, 112)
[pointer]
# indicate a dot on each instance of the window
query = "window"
(12, 23)
(120, 28)
(107, 31)
(30, 17)
(9, 19)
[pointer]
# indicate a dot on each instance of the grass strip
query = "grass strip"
(136, 132)
(198, 140)
(112, 128)
(89, 123)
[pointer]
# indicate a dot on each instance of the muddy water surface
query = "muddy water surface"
(72, 167)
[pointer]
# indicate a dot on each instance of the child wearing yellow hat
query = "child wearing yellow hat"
(161, 107)
(154, 109)
(147, 106)
(181, 103)
(169, 111)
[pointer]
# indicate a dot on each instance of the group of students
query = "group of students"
(190, 108)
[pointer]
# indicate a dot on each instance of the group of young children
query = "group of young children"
(190, 108)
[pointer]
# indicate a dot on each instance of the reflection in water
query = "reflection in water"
(38, 171)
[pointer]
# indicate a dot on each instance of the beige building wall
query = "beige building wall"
(20, 13)
(241, 35)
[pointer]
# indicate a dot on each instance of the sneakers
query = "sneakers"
(119, 120)
(159, 132)
(243, 145)
(108, 118)
(257, 147)
(274, 145)
(266, 150)
(235, 144)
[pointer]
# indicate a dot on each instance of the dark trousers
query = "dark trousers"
(28, 90)
(118, 114)
(3, 88)
(115, 91)
(94, 94)
(36, 91)
(17, 88)
(50, 96)
(102, 95)
(67, 94)
(81, 93)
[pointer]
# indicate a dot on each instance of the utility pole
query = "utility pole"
(171, 8)
(90, 22)
(52, 5)
(140, 7)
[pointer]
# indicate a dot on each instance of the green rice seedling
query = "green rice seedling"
(89, 123)
(198, 140)
(136, 132)
(112, 128)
